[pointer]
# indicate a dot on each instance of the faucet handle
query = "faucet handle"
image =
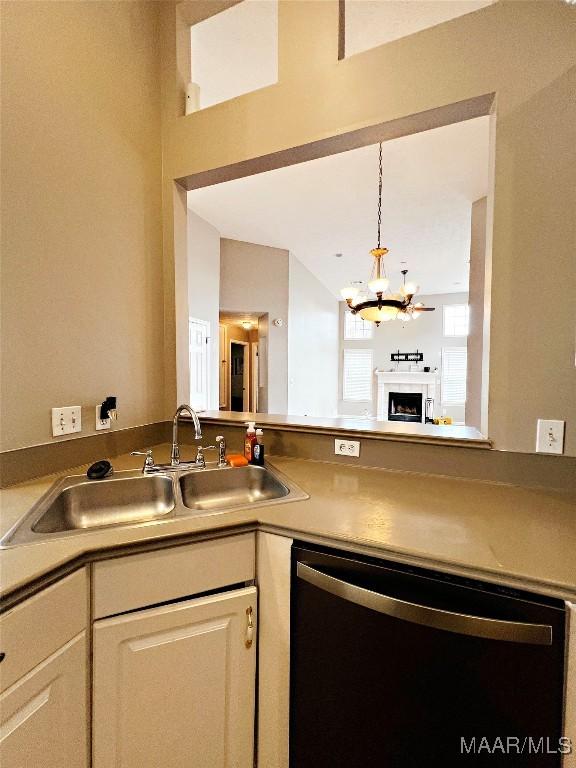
(200, 460)
(148, 461)
(222, 462)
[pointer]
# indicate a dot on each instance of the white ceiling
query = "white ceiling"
(328, 206)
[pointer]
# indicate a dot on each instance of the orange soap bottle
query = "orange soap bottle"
(250, 441)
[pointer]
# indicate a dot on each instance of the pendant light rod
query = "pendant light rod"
(379, 196)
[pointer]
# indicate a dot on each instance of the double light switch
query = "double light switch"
(66, 420)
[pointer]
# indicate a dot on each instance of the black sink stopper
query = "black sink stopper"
(99, 470)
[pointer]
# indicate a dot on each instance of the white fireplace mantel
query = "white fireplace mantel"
(425, 384)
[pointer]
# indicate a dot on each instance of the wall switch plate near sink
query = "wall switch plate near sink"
(346, 447)
(550, 436)
(66, 420)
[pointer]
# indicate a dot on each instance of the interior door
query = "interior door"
(43, 715)
(175, 686)
(199, 338)
(239, 376)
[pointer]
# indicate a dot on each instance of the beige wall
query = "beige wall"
(82, 290)
(254, 280)
(474, 379)
(489, 51)
(312, 345)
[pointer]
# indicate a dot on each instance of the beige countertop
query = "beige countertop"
(524, 537)
(399, 430)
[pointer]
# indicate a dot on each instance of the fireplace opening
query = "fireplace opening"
(405, 406)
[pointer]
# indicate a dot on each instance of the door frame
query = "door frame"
(245, 376)
(223, 366)
(254, 374)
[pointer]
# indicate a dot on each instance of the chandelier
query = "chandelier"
(383, 306)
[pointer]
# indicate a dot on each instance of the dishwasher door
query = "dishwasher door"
(398, 667)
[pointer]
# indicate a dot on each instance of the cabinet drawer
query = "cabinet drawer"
(127, 583)
(36, 628)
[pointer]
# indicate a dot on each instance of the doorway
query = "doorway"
(239, 376)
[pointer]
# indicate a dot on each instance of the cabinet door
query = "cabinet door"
(43, 714)
(174, 686)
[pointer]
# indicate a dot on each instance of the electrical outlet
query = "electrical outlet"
(346, 447)
(550, 436)
(101, 423)
(66, 420)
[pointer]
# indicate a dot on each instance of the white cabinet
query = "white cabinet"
(174, 686)
(43, 714)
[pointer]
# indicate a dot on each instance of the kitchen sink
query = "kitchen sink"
(76, 505)
(219, 489)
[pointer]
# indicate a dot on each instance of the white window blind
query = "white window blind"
(355, 328)
(456, 320)
(454, 362)
(357, 374)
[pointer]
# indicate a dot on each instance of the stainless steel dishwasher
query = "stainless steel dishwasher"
(400, 667)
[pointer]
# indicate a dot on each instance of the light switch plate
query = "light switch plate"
(550, 436)
(101, 423)
(346, 447)
(66, 420)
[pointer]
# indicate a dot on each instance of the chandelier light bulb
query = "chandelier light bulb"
(409, 289)
(379, 285)
(349, 293)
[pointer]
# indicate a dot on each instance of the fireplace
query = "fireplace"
(405, 406)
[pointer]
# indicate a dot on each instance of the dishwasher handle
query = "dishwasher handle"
(460, 623)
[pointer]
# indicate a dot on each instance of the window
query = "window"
(456, 320)
(454, 362)
(368, 24)
(357, 374)
(355, 328)
(235, 52)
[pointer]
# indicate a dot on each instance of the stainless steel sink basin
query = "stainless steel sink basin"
(219, 489)
(77, 504)
(108, 502)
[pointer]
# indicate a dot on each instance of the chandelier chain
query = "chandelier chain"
(379, 194)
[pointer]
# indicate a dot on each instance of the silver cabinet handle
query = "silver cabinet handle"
(460, 623)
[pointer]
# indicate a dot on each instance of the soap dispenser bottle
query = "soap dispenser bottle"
(250, 441)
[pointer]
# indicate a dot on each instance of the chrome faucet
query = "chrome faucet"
(175, 453)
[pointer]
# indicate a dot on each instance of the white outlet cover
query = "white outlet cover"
(550, 436)
(101, 423)
(346, 447)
